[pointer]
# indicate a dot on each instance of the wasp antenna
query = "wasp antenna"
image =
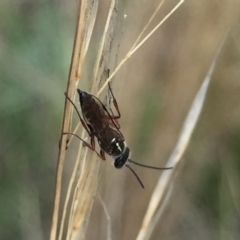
(68, 98)
(137, 177)
(146, 166)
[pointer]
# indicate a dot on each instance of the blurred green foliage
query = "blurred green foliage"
(33, 65)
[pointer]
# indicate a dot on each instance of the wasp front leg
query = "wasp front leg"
(102, 155)
(85, 125)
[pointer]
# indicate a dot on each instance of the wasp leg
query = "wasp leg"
(114, 121)
(115, 104)
(59, 144)
(91, 135)
(81, 119)
(90, 146)
(115, 124)
(111, 116)
(85, 125)
(86, 144)
(102, 153)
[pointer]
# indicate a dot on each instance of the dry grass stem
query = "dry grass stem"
(134, 49)
(156, 27)
(102, 43)
(69, 190)
(146, 26)
(85, 190)
(87, 172)
(74, 131)
(78, 55)
(90, 18)
(109, 224)
(96, 71)
(83, 199)
(72, 179)
(86, 21)
(159, 213)
(167, 176)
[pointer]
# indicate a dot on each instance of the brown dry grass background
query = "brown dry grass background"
(154, 89)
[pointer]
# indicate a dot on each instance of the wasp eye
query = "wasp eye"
(122, 159)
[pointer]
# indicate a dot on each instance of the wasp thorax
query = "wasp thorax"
(122, 159)
(117, 146)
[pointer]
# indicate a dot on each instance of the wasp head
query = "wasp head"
(122, 159)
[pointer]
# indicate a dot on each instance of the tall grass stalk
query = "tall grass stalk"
(164, 186)
(85, 174)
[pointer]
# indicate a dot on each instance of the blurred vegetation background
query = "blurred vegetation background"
(154, 90)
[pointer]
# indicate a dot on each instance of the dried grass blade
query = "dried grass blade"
(69, 190)
(148, 23)
(84, 170)
(105, 44)
(180, 148)
(85, 196)
(87, 185)
(134, 49)
(109, 222)
(79, 51)
(90, 18)
(157, 26)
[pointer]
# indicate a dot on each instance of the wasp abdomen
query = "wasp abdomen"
(82, 95)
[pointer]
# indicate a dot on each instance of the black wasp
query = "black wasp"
(103, 125)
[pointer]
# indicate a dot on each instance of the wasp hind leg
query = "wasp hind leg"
(114, 103)
(112, 116)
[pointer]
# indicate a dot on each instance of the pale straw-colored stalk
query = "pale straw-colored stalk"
(162, 188)
(87, 183)
(86, 173)
(81, 42)
(138, 44)
(109, 223)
